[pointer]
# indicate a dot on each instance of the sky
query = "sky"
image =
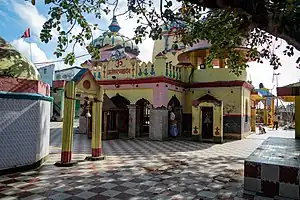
(17, 15)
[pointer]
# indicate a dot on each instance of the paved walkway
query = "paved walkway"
(139, 169)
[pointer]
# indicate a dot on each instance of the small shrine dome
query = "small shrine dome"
(14, 64)
(115, 39)
(172, 27)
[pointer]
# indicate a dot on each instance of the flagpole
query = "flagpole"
(30, 49)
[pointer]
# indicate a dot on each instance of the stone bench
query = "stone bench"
(272, 170)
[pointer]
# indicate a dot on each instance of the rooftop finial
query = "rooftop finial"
(114, 26)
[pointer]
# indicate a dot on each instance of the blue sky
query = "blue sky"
(17, 15)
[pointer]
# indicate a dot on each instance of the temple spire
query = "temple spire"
(114, 26)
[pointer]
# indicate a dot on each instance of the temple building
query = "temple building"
(210, 104)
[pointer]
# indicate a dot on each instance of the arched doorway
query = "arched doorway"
(174, 104)
(143, 113)
(122, 119)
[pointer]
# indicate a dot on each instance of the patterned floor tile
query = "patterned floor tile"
(110, 193)
(137, 169)
(60, 196)
(34, 197)
(86, 195)
(8, 198)
(127, 196)
(108, 185)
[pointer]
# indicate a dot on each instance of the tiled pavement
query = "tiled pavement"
(138, 169)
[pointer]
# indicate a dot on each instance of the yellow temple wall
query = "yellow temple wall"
(133, 95)
(231, 97)
(159, 46)
(217, 74)
(246, 110)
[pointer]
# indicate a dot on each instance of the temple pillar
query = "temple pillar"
(138, 121)
(158, 129)
(97, 127)
(132, 121)
(253, 119)
(68, 122)
(221, 63)
(272, 112)
(297, 117)
(265, 113)
(105, 125)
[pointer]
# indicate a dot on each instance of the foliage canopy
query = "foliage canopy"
(226, 24)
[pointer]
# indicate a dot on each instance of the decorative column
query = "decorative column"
(132, 128)
(253, 119)
(105, 125)
(297, 117)
(265, 113)
(97, 127)
(68, 122)
(158, 128)
(221, 63)
(196, 126)
(61, 102)
(272, 112)
(138, 121)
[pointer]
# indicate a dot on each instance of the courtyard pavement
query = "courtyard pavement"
(140, 169)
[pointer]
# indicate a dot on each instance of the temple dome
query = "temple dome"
(172, 27)
(13, 63)
(115, 39)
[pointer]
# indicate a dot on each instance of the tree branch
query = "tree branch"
(261, 16)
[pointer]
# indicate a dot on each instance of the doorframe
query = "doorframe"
(208, 101)
(201, 122)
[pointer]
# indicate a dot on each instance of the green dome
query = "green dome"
(14, 64)
(114, 38)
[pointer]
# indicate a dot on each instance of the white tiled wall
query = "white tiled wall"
(24, 131)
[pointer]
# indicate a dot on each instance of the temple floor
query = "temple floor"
(140, 169)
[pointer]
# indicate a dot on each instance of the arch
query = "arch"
(207, 98)
(174, 102)
(144, 115)
(122, 116)
(120, 101)
(142, 101)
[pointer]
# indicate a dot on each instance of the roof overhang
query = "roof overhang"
(255, 96)
(288, 92)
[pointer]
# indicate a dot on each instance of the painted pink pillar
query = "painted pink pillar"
(160, 95)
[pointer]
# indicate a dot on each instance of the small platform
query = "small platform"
(272, 170)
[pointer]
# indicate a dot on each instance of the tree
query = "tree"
(226, 24)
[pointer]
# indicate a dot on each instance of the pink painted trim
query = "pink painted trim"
(160, 91)
(9, 84)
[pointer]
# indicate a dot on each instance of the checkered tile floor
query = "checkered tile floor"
(137, 169)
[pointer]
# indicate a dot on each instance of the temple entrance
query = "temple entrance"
(207, 119)
(207, 122)
(174, 105)
(143, 112)
(122, 119)
(85, 119)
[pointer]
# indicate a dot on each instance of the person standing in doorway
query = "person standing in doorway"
(275, 121)
(173, 131)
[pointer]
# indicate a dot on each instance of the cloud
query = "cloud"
(31, 16)
(23, 47)
(263, 73)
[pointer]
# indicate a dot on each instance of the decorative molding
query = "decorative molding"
(30, 96)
